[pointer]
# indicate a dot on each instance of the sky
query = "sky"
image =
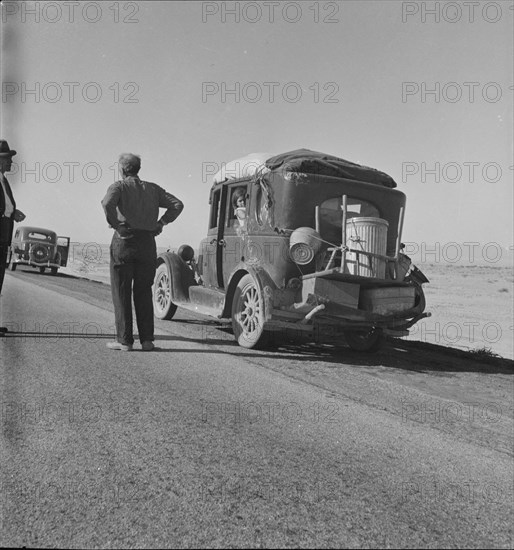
(420, 90)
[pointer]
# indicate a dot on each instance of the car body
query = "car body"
(40, 248)
(319, 251)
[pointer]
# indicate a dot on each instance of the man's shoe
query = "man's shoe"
(148, 345)
(119, 347)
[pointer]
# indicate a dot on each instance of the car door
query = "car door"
(234, 238)
(212, 246)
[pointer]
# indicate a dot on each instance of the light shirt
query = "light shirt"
(9, 206)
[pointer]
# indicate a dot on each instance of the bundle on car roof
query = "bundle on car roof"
(313, 162)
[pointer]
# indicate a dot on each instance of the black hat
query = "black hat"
(5, 151)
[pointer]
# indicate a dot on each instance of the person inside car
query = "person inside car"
(239, 204)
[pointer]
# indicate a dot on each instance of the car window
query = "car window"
(235, 208)
(215, 207)
(39, 236)
(331, 215)
(263, 203)
(354, 207)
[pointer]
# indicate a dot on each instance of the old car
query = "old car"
(316, 248)
(39, 248)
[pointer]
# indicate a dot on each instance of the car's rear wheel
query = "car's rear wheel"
(370, 340)
(248, 314)
(13, 266)
(53, 270)
(164, 308)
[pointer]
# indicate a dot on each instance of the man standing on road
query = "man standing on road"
(8, 212)
(132, 208)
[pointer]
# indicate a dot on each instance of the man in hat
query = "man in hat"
(132, 208)
(8, 212)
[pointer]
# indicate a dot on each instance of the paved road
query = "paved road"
(205, 444)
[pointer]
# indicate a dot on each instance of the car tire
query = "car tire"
(53, 270)
(366, 340)
(41, 270)
(163, 307)
(248, 314)
(13, 266)
(39, 253)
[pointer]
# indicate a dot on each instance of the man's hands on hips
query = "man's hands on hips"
(158, 231)
(124, 231)
(19, 216)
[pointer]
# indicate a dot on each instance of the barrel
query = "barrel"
(366, 235)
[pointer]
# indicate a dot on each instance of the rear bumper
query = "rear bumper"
(321, 311)
(32, 263)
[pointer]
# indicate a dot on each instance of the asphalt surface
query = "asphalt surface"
(204, 444)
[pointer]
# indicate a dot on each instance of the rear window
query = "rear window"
(39, 236)
(331, 216)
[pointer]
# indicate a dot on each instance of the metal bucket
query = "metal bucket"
(304, 244)
(366, 235)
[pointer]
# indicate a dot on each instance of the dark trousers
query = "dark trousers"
(133, 264)
(6, 226)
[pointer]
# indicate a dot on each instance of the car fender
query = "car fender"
(264, 282)
(182, 277)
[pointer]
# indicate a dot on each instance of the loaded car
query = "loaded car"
(315, 246)
(39, 248)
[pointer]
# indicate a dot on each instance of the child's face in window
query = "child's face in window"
(240, 202)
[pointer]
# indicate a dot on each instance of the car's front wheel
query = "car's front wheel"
(370, 340)
(164, 308)
(248, 313)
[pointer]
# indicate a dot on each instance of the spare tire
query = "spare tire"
(186, 252)
(39, 253)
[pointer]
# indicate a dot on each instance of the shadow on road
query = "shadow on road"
(410, 356)
(61, 335)
(57, 276)
(398, 354)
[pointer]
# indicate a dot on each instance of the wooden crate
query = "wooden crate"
(346, 294)
(388, 300)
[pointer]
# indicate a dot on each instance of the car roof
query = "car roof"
(32, 229)
(309, 163)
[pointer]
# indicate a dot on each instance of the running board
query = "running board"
(207, 301)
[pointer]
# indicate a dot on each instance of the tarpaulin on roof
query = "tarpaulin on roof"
(313, 162)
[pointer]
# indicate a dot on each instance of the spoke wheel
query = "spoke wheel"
(370, 340)
(164, 308)
(248, 314)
